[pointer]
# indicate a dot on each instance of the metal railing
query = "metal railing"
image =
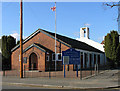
(51, 73)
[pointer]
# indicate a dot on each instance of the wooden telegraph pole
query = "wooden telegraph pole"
(21, 47)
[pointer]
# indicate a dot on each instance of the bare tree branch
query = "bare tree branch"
(112, 5)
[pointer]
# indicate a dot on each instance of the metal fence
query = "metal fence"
(60, 73)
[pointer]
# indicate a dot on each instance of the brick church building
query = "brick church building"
(39, 48)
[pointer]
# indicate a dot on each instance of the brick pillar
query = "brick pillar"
(66, 67)
(71, 67)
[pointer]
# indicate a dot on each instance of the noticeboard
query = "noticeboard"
(71, 56)
(65, 59)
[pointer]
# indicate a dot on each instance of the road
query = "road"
(9, 87)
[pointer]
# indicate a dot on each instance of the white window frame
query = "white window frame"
(47, 52)
(52, 56)
(47, 57)
(57, 57)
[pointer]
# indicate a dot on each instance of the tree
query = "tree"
(11, 42)
(4, 51)
(0, 43)
(8, 42)
(118, 55)
(112, 4)
(112, 47)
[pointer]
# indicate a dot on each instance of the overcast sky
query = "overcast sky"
(71, 17)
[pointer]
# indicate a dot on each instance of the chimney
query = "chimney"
(87, 32)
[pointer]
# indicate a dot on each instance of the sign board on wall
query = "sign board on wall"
(71, 56)
(25, 60)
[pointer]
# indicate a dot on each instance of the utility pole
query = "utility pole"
(21, 47)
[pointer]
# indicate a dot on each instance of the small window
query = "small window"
(59, 57)
(98, 59)
(53, 57)
(81, 53)
(94, 58)
(47, 58)
(47, 52)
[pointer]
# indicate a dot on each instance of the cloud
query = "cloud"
(17, 35)
(87, 24)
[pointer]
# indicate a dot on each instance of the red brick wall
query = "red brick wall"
(42, 39)
(40, 58)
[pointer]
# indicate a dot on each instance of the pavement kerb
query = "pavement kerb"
(33, 85)
(61, 87)
(93, 88)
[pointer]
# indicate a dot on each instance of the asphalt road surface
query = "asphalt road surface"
(8, 87)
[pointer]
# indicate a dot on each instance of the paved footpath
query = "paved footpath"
(107, 79)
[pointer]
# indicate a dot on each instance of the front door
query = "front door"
(33, 62)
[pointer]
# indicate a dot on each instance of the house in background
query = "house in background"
(103, 42)
(39, 49)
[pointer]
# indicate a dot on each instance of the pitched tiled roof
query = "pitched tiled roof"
(75, 43)
(65, 40)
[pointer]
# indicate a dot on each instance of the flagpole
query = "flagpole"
(55, 38)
